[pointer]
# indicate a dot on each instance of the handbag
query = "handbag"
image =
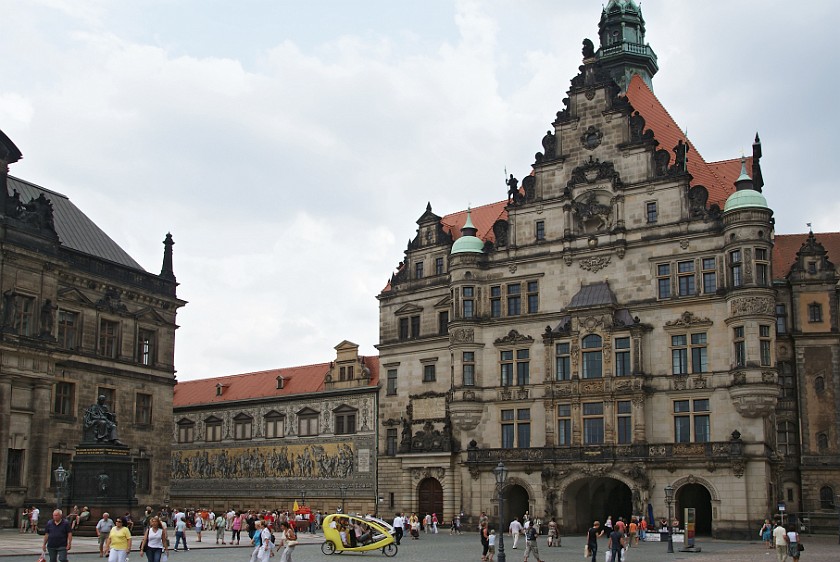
(291, 543)
(164, 557)
(800, 546)
(586, 553)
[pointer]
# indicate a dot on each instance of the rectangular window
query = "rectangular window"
(65, 394)
(815, 312)
(213, 430)
(415, 326)
(699, 353)
(468, 303)
(345, 423)
(663, 280)
(496, 301)
(418, 270)
(685, 278)
(14, 468)
(108, 336)
(624, 421)
(593, 423)
(564, 424)
(688, 413)
(514, 300)
(709, 276)
(186, 432)
(143, 409)
(764, 343)
(429, 373)
(24, 315)
(469, 368)
(391, 442)
(144, 476)
(533, 297)
(438, 266)
(506, 365)
(735, 268)
(523, 367)
(540, 230)
(391, 388)
(622, 357)
(740, 347)
(308, 425)
(679, 355)
(762, 267)
(563, 368)
(443, 323)
(516, 428)
(68, 329)
(651, 212)
(781, 319)
(404, 328)
(146, 347)
(275, 426)
(243, 428)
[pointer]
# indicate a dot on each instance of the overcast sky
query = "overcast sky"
(290, 146)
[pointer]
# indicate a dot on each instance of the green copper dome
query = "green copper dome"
(468, 243)
(745, 198)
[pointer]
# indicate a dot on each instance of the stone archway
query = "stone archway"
(430, 497)
(697, 496)
(588, 499)
(516, 502)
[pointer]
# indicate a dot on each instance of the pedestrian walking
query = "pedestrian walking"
(592, 535)
(58, 537)
(118, 543)
(531, 546)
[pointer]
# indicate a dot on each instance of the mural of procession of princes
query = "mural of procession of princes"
(303, 461)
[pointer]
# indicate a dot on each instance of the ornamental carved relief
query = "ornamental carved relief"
(594, 264)
(754, 401)
(752, 305)
(687, 319)
(462, 335)
(514, 338)
(591, 387)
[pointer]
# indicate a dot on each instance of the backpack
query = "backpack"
(531, 535)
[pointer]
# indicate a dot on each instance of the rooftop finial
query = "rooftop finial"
(166, 271)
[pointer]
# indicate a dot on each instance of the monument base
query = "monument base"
(102, 478)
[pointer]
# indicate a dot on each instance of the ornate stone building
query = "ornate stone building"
(263, 440)
(80, 318)
(607, 331)
(807, 419)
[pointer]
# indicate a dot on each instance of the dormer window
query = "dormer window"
(812, 267)
(219, 389)
(281, 382)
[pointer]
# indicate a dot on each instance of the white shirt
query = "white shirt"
(34, 514)
(515, 527)
(178, 516)
(398, 522)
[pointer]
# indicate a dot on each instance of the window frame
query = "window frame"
(243, 427)
(344, 420)
(739, 346)
(513, 299)
(68, 332)
(588, 355)
(815, 314)
(468, 368)
(709, 275)
(64, 398)
(308, 419)
(495, 301)
(622, 362)
(143, 402)
(429, 372)
(185, 431)
(468, 302)
(24, 315)
(108, 343)
(663, 281)
(651, 212)
(515, 428)
(564, 424)
(686, 279)
(624, 422)
(691, 420)
(593, 423)
(736, 268)
(213, 428)
(391, 384)
(515, 367)
(539, 230)
(274, 421)
(563, 356)
(146, 346)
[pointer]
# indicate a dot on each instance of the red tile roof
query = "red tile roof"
(262, 384)
(482, 217)
(786, 245)
(668, 133)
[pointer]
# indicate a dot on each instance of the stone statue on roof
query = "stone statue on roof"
(588, 49)
(513, 189)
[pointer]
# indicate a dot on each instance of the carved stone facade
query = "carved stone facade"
(639, 368)
(80, 319)
(275, 436)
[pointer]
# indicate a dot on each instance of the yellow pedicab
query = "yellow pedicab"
(340, 535)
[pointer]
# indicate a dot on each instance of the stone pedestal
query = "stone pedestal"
(102, 478)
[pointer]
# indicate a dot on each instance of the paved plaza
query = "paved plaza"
(15, 547)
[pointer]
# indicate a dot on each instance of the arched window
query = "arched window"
(243, 426)
(592, 357)
(275, 425)
(827, 498)
(822, 442)
(819, 384)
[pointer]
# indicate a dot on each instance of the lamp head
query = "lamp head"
(501, 473)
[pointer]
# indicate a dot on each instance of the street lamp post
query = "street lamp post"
(343, 489)
(838, 518)
(60, 475)
(303, 497)
(669, 499)
(501, 474)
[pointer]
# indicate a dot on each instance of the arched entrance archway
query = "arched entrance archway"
(698, 497)
(591, 499)
(430, 496)
(516, 502)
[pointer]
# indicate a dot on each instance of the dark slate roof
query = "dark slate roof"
(596, 294)
(75, 230)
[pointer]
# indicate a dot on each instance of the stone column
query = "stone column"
(38, 464)
(639, 419)
(5, 422)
